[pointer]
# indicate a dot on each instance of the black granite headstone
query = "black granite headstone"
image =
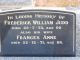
(37, 33)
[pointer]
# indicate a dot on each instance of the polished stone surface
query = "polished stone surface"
(55, 58)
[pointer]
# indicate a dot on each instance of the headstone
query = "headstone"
(37, 33)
